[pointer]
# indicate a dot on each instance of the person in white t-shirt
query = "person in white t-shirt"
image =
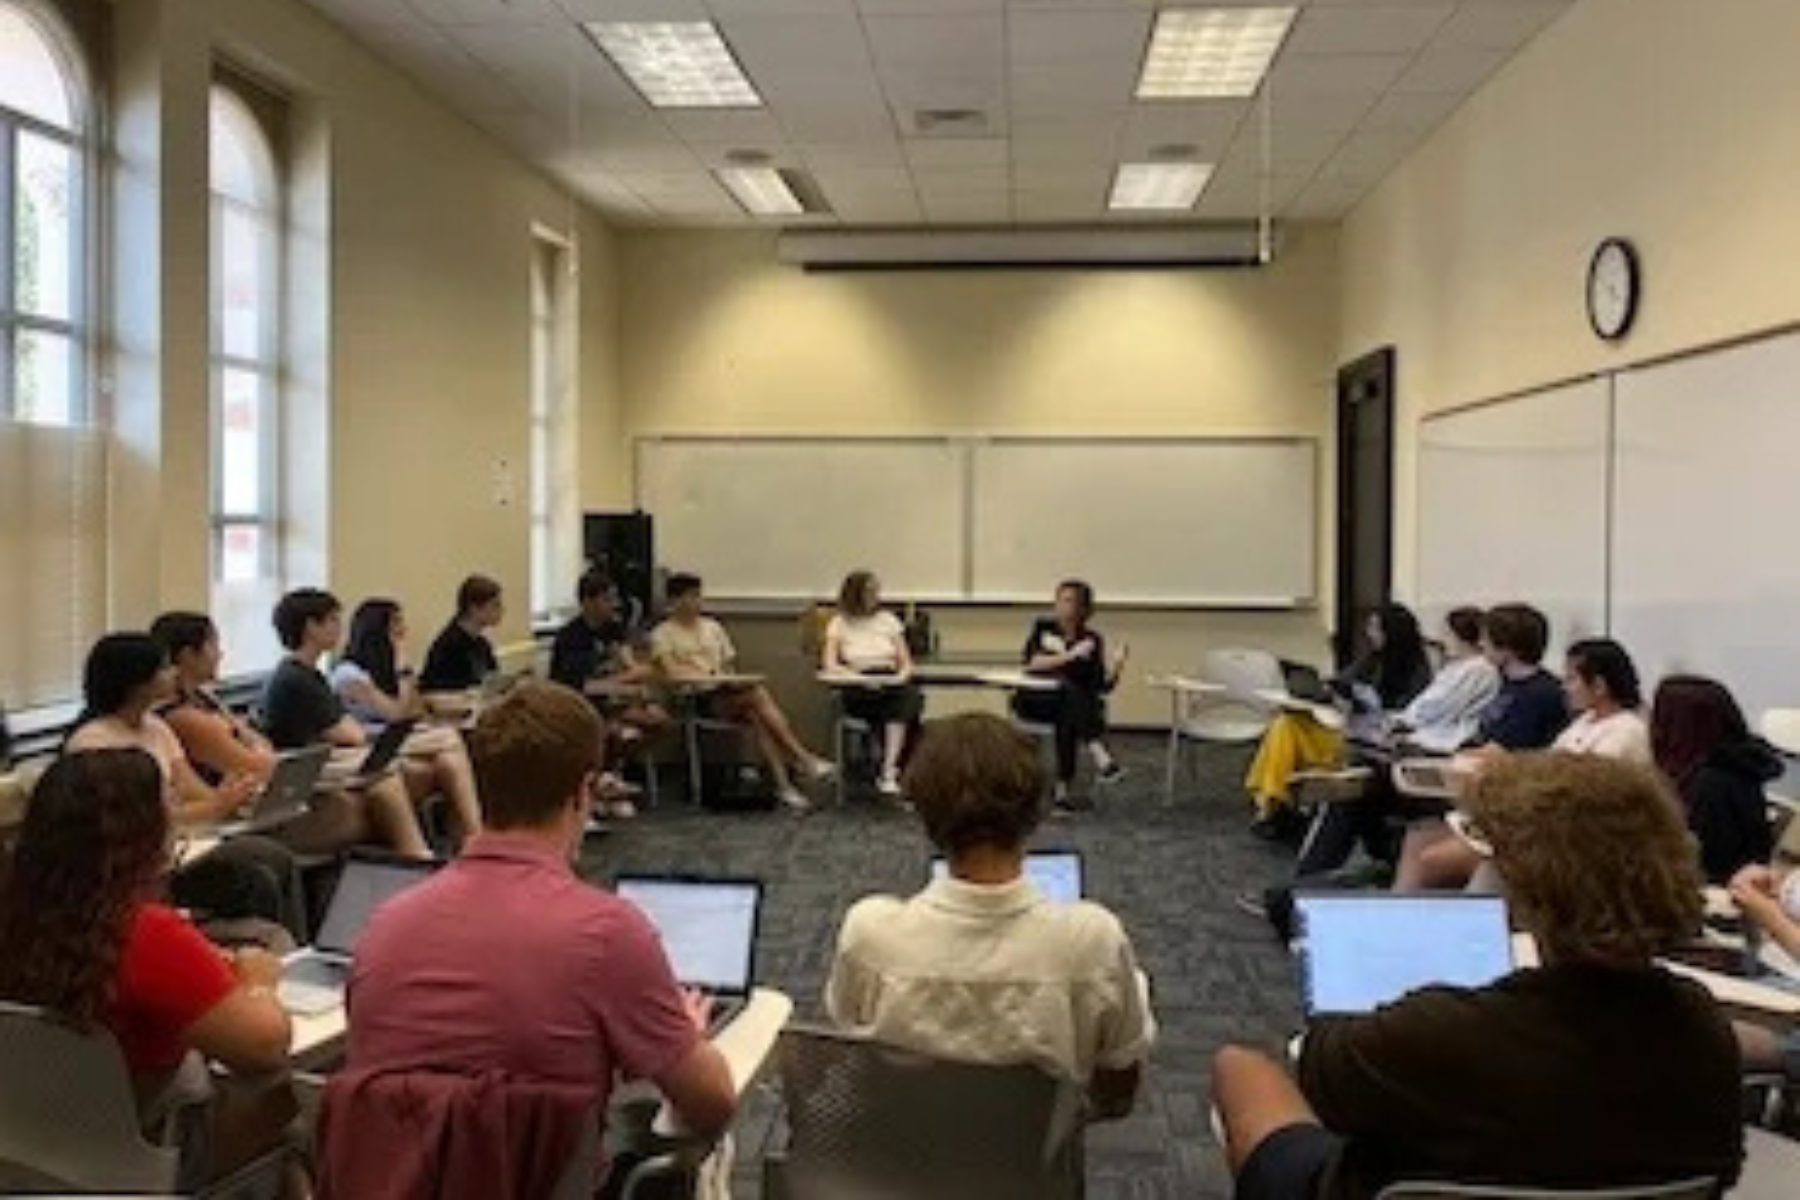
(1601, 684)
(689, 645)
(980, 966)
(863, 638)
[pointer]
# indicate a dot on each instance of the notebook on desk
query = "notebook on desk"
(1360, 950)
(286, 795)
(313, 978)
(1055, 873)
(708, 928)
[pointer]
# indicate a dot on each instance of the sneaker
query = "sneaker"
(1252, 903)
(1111, 773)
(621, 810)
(1069, 806)
(793, 799)
(888, 785)
(822, 769)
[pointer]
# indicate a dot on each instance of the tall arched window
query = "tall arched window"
(43, 242)
(247, 227)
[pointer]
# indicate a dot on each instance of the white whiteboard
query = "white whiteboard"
(1512, 506)
(788, 518)
(1706, 553)
(1225, 523)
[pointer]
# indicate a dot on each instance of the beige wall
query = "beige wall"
(1674, 123)
(721, 338)
(428, 226)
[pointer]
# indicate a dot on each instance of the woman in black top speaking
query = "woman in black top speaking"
(1064, 647)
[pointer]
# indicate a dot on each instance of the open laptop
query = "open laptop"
(1303, 682)
(313, 978)
(1055, 873)
(1360, 950)
(708, 929)
(371, 766)
(285, 796)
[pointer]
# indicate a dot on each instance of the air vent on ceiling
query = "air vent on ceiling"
(950, 123)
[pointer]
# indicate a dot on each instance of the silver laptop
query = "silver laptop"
(1055, 873)
(1361, 950)
(708, 929)
(286, 795)
(313, 978)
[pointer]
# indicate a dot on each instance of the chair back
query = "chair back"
(1686, 1189)
(67, 1109)
(866, 1120)
(1237, 715)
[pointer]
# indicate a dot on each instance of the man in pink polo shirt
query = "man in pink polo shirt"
(507, 961)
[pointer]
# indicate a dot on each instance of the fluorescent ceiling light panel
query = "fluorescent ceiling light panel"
(761, 190)
(1212, 53)
(676, 64)
(1158, 186)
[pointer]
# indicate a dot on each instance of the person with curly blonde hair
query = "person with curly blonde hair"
(1595, 1069)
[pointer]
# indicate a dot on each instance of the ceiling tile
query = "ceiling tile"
(816, 45)
(1498, 24)
(632, 10)
(946, 181)
(1451, 70)
(1078, 37)
(929, 7)
(956, 47)
(1071, 91)
(1368, 28)
(956, 152)
(1305, 75)
(750, 129)
(1416, 112)
(488, 12)
(868, 153)
(726, 9)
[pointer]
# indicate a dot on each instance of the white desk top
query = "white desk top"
(746, 1044)
(1324, 714)
(1186, 685)
(950, 675)
(318, 1033)
(1726, 989)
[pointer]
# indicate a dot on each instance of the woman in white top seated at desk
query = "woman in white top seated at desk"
(1394, 666)
(378, 686)
(84, 935)
(248, 878)
(863, 638)
(691, 646)
(1601, 684)
(980, 966)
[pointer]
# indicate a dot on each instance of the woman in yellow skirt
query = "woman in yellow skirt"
(1394, 664)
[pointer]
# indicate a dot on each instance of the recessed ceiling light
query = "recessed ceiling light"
(676, 64)
(1212, 53)
(763, 191)
(1158, 187)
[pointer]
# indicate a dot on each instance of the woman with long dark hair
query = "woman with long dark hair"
(1705, 747)
(83, 934)
(126, 677)
(1391, 671)
(375, 680)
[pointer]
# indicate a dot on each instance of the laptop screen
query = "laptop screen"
(708, 927)
(1055, 873)
(1360, 952)
(364, 886)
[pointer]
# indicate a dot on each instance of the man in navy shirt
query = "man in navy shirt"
(1531, 709)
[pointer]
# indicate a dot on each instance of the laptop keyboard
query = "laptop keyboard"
(310, 986)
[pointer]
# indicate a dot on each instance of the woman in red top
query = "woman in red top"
(82, 934)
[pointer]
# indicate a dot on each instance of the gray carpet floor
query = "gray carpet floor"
(1168, 870)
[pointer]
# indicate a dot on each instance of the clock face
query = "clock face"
(1613, 289)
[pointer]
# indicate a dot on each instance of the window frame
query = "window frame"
(268, 366)
(64, 48)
